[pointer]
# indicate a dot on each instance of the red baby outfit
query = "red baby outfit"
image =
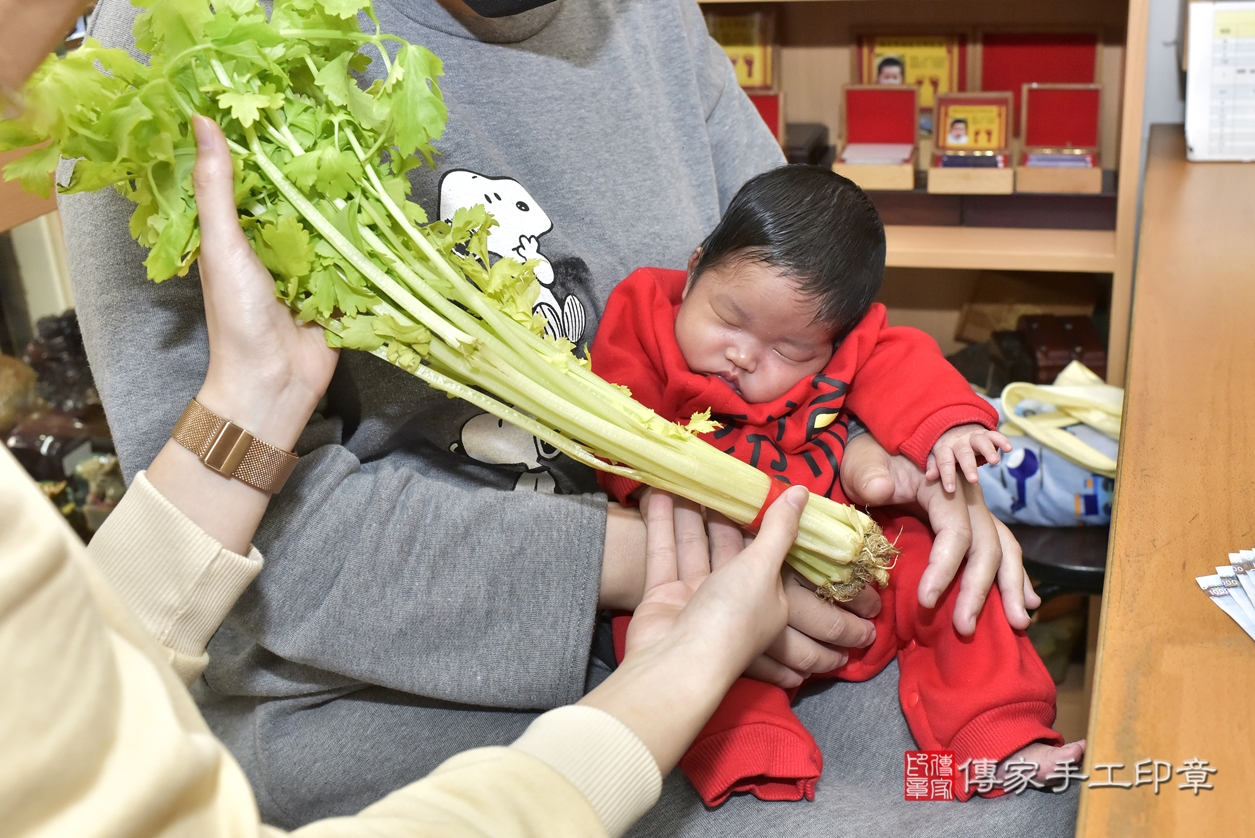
(984, 696)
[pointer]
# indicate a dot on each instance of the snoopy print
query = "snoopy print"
(520, 224)
(487, 439)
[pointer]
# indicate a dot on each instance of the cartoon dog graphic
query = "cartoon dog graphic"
(520, 224)
(487, 439)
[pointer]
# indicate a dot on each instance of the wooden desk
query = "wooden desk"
(1175, 675)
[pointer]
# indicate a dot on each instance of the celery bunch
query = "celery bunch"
(321, 187)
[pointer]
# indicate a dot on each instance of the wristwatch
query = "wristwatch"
(231, 451)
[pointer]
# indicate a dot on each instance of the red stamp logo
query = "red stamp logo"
(929, 775)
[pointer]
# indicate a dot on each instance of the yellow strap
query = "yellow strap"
(1078, 396)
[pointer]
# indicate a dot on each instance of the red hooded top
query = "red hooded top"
(893, 378)
(981, 697)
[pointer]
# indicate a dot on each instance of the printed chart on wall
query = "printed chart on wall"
(1220, 90)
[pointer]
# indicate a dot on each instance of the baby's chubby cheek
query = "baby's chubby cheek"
(688, 334)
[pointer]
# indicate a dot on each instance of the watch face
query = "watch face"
(504, 8)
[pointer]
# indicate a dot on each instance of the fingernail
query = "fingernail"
(204, 136)
(797, 497)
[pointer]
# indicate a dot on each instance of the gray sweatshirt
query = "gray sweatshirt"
(420, 545)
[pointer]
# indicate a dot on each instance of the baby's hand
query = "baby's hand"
(960, 445)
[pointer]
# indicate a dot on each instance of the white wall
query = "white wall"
(1165, 83)
(40, 250)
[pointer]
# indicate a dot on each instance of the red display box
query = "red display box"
(1010, 60)
(879, 114)
(1059, 127)
(770, 107)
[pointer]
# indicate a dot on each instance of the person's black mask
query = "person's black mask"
(504, 8)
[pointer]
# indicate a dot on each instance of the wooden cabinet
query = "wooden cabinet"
(818, 45)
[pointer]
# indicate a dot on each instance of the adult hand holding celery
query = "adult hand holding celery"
(321, 186)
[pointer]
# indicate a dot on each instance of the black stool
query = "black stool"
(1064, 560)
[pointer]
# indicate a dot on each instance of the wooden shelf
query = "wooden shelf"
(996, 248)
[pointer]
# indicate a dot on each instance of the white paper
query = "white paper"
(881, 154)
(1229, 578)
(1058, 161)
(1244, 564)
(1220, 595)
(1220, 82)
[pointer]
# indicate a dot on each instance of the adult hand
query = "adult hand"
(818, 631)
(267, 372)
(745, 607)
(963, 525)
(695, 629)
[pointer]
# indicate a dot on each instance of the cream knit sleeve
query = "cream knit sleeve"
(98, 737)
(177, 580)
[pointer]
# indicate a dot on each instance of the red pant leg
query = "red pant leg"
(984, 696)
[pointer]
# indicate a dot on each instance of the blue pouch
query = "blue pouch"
(1034, 485)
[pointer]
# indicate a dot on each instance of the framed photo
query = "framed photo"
(935, 64)
(972, 122)
(749, 39)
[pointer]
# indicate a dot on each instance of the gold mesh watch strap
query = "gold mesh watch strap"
(228, 449)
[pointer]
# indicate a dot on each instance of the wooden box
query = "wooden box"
(879, 114)
(1010, 60)
(971, 139)
(1054, 342)
(1060, 122)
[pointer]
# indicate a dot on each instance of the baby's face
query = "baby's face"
(747, 324)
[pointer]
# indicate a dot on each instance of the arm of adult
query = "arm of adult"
(964, 528)
(122, 716)
(28, 32)
(266, 374)
(695, 631)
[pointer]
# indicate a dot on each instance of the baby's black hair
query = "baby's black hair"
(816, 227)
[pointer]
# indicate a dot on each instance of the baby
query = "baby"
(773, 328)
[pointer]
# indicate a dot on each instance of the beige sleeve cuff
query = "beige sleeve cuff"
(601, 757)
(177, 580)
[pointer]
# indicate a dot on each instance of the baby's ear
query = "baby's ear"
(692, 266)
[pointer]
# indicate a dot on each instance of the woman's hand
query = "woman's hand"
(695, 629)
(266, 371)
(745, 609)
(963, 525)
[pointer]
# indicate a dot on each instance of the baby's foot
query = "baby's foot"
(1047, 759)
